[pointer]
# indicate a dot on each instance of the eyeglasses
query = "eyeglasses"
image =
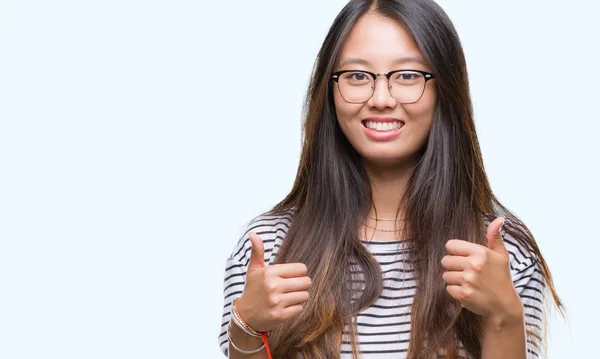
(405, 86)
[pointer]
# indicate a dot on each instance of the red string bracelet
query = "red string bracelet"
(237, 318)
(265, 340)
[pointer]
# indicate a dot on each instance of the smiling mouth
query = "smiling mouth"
(383, 126)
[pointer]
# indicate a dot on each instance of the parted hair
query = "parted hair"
(448, 196)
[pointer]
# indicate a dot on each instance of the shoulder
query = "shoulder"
(271, 228)
(514, 234)
(524, 261)
(522, 255)
(528, 280)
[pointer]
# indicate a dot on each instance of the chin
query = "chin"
(385, 159)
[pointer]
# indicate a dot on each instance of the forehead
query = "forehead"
(379, 42)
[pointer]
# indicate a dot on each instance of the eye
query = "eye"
(408, 77)
(356, 78)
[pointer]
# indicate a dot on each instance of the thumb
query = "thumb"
(494, 236)
(257, 255)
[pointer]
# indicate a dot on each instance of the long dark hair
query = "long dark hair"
(448, 196)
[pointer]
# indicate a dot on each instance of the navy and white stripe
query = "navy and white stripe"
(384, 327)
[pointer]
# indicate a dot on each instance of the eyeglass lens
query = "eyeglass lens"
(404, 86)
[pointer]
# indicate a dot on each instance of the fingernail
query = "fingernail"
(500, 228)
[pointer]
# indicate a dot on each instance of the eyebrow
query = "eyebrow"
(399, 61)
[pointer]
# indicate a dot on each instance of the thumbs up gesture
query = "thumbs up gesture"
(479, 277)
(272, 294)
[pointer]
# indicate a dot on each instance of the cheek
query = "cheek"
(345, 111)
(424, 110)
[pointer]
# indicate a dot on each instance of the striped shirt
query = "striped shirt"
(384, 327)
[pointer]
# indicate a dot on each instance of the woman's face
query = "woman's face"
(379, 44)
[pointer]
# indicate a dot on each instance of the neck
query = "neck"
(388, 185)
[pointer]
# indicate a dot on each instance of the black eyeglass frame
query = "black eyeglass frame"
(427, 75)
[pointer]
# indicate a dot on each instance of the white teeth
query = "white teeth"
(383, 126)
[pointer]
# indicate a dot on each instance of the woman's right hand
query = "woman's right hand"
(272, 294)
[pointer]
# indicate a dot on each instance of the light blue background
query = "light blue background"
(137, 137)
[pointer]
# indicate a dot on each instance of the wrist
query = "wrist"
(510, 318)
(240, 335)
(241, 319)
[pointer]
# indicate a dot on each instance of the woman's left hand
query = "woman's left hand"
(479, 277)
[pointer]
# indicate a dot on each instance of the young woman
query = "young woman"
(391, 243)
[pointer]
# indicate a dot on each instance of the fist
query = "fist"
(479, 277)
(272, 294)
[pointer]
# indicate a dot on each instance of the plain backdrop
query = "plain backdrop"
(138, 137)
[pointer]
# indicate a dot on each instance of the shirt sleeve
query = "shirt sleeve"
(271, 229)
(530, 285)
(233, 285)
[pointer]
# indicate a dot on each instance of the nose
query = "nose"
(382, 98)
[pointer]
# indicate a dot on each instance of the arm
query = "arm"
(504, 290)
(245, 342)
(520, 335)
(269, 296)
(235, 279)
(504, 337)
